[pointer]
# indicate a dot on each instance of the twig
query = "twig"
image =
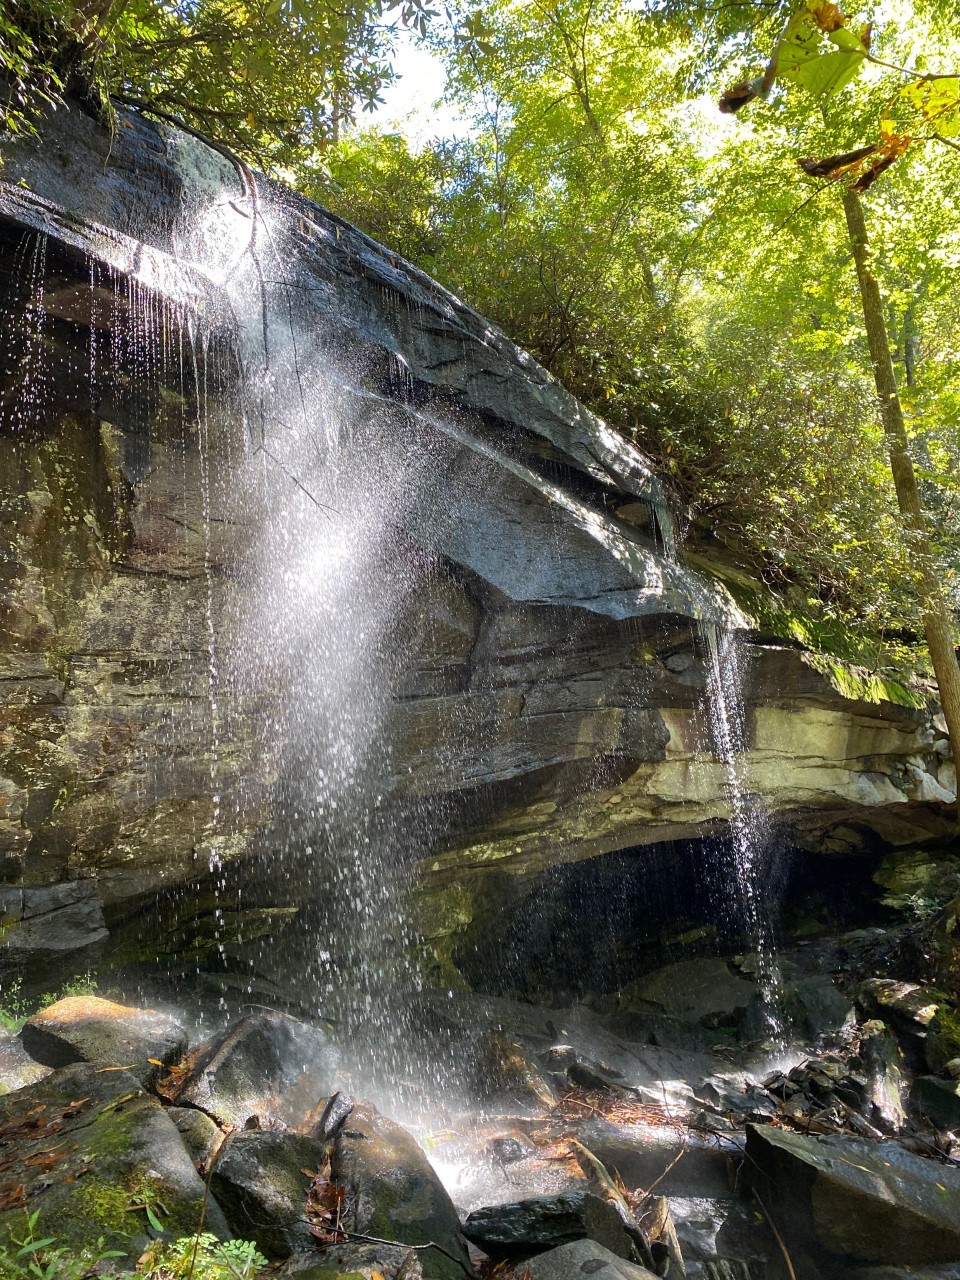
(656, 1183)
(214, 1160)
(401, 1244)
(776, 1231)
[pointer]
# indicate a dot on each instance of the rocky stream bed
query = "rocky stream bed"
(674, 1138)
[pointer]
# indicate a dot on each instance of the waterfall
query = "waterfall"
(308, 436)
(745, 898)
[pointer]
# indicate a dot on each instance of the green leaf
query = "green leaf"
(806, 61)
(153, 1219)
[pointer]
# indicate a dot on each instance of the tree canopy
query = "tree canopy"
(673, 265)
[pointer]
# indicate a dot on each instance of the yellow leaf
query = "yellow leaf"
(938, 101)
(251, 120)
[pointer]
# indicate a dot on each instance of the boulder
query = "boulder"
(89, 1029)
(502, 1067)
(512, 1148)
(42, 922)
(582, 1258)
(700, 991)
(271, 1066)
(525, 1227)
(881, 1063)
(17, 1068)
(906, 1006)
(392, 1192)
(938, 1100)
(814, 1008)
(88, 1149)
(260, 1183)
(867, 1202)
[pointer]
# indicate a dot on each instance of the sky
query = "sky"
(410, 104)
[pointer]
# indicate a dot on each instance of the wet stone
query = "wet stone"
(525, 1227)
(392, 1192)
(271, 1066)
(938, 1100)
(582, 1259)
(511, 1148)
(260, 1184)
(89, 1029)
(84, 1148)
(867, 1202)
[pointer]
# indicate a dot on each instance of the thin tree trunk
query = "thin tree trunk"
(933, 605)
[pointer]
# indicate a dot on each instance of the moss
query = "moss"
(846, 657)
(104, 1204)
(860, 685)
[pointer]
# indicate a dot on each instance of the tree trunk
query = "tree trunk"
(933, 605)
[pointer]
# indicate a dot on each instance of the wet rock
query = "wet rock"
(868, 1202)
(698, 991)
(881, 1058)
(502, 1066)
(354, 1260)
(393, 1193)
(17, 1068)
(41, 921)
(731, 1098)
(89, 1029)
(814, 1008)
(656, 1223)
(511, 1148)
(907, 1007)
(259, 1182)
(332, 1117)
(583, 1258)
(938, 1100)
(709, 1230)
(942, 1044)
(85, 1147)
(525, 1227)
(271, 1066)
(586, 1073)
(201, 1135)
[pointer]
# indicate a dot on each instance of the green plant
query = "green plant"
(14, 1009)
(85, 984)
(201, 1257)
(26, 1255)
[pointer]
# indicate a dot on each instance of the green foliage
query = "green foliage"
(673, 269)
(201, 1257)
(273, 78)
(27, 1255)
(15, 1008)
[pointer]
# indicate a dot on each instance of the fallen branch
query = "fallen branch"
(776, 1231)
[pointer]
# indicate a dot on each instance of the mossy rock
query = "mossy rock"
(89, 1150)
(90, 1029)
(392, 1192)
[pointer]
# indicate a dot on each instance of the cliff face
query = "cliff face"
(549, 705)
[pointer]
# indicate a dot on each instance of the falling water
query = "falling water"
(748, 904)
